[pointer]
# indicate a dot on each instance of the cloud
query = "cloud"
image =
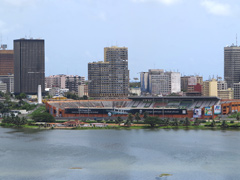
(216, 8)
(166, 2)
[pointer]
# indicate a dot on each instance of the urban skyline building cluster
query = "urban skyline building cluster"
(24, 67)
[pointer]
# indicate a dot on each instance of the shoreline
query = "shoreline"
(116, 127)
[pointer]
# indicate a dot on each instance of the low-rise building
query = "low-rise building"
(226, 94)
(210, 88)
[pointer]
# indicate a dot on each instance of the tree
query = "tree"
(22, 96)
(152, 121)
(43, 117)
(119, 120)
(238, 117)
(85, 97)
(224, 124)
(14, 120)
(213, 123)
(196, 122)
(187, 122)
(175, 122)
(137, 117)
(166, 122)
(129, 120)
(145, 114)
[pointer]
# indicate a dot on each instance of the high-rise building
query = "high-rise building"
(29, 65)
(232, 65)
(157, 82)
(6, 62)
(111, 77)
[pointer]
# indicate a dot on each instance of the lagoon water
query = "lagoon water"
(119, 154)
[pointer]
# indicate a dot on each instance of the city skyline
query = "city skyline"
(174, 35)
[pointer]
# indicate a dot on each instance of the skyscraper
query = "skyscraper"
(111, 77)
(232, 65)
(29, 65)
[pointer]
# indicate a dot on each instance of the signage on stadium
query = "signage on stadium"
(125, 111)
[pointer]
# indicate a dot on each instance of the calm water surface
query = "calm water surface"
(119, 154)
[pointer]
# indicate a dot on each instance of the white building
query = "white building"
(222, 85)
(160, 82)
(3, 87)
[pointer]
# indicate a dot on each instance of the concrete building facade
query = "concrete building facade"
(111, 77)
(6, 62)
(210, 88)
(158, 82)
(226, 94)
(29, 65)
(190, 81)
(55, 81)
(222, 85)
(9, 80)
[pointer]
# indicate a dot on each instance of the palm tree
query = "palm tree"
(119, 120)
(129, 120)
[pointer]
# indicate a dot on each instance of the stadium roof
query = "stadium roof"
(175, 97)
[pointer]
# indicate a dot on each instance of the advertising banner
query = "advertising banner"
(217, 109)
(208, 111)
(197, 113)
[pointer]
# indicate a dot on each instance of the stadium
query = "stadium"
(166, 107)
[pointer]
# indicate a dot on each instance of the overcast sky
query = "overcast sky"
(187, 36)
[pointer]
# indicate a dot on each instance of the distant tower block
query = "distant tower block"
(39, 94)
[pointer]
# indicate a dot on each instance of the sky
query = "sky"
(187, 36)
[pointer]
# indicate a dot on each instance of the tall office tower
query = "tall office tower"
(111, 77)
(232, 65)
(6, 61)
(29, 65)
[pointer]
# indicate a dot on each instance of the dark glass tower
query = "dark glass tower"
(232, 65)
(29, 65)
